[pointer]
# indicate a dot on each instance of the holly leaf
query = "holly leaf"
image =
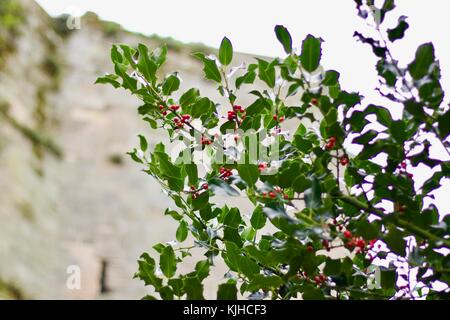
(182, 231)
(168, 262)
(227, 291)
(311, 53)
(225, 52)
(171, 84)
(284, 37)
(209, 67)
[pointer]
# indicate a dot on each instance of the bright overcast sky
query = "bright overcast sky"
(249, 24)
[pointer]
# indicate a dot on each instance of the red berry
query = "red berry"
(344, 160)
(174, 108)
(264, 194)
(275, 117)
(262, 166)
(347, 234)
(205, 186)
(403, 165)
(332, 139)
(161, 107)
(238, 108)
(281, 119)
(361, 244)
(176, 120)
(272, 194)
(314, 101)
(410, 175)
(285, 196)
(309, 248)
(164, 113)
(325, 243)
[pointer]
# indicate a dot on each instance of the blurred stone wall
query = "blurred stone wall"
(93, 207)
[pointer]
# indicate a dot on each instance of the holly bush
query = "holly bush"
(337, 212)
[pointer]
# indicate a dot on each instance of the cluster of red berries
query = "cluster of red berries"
(232, 115)
(273, 194)
(238, 109)
(353, 242)
(319, 279)
(343, 160)
(180, 121)
(225, 173)
(330, 144)
(278, 119)
(206, 141)
(195, 192)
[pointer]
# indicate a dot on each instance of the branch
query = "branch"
(414, 229)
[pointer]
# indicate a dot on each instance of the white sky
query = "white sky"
(249, 25)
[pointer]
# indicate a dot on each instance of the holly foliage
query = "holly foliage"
(337, 214)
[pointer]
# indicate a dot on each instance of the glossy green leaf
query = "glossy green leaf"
(209, 68)
(249, 173)
(167, 262)
(145, 65)
(420, 67)
(225, 51)
(109, 79)
(399, 31)
(193, 288)
(284, 37)
(189, 97)
(258, 219)
(182, 231)
(227, 291)
(395, 242)
(311, 53)
(143, 143)
(171, 84)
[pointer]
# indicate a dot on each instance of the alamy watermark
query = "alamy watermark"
(73, 281)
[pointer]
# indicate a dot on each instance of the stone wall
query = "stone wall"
(92, 207)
